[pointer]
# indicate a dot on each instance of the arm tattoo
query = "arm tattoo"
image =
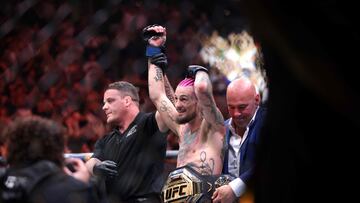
(211, 103)
(218, 116)
(158, 75)
(164, 108)
(169, 90)
(213, 110)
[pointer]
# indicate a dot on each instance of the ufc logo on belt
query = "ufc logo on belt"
(176, 192)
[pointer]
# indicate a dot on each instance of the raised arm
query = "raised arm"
(203, 92)
(169, 90)
(160, 91)
(165, 108)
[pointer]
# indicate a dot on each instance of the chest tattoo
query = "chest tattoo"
(206, 166)
(189, 137)
(187, 143)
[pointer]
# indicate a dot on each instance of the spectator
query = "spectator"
(37, 171)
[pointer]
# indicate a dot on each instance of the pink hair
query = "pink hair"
(187, 82)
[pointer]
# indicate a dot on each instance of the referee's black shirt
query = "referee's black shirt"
(139, 153)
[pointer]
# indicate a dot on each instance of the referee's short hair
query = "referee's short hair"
(127, 89)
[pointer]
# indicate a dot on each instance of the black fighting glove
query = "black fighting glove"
(146, 35)
(160, 61)
(192, 69)
(106, 169)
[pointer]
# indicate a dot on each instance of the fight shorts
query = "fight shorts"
(184, 184)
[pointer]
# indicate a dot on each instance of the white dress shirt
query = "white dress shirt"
(235, 142)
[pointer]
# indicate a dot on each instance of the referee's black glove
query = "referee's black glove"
(106, 169)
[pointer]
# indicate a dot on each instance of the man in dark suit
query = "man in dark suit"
(242, 136)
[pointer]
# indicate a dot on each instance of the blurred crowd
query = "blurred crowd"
(56, 57)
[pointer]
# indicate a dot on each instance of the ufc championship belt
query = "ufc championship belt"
(184, 184)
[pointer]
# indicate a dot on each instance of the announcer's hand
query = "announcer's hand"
(223, 194)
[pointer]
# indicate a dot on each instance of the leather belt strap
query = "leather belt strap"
(185, 184)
